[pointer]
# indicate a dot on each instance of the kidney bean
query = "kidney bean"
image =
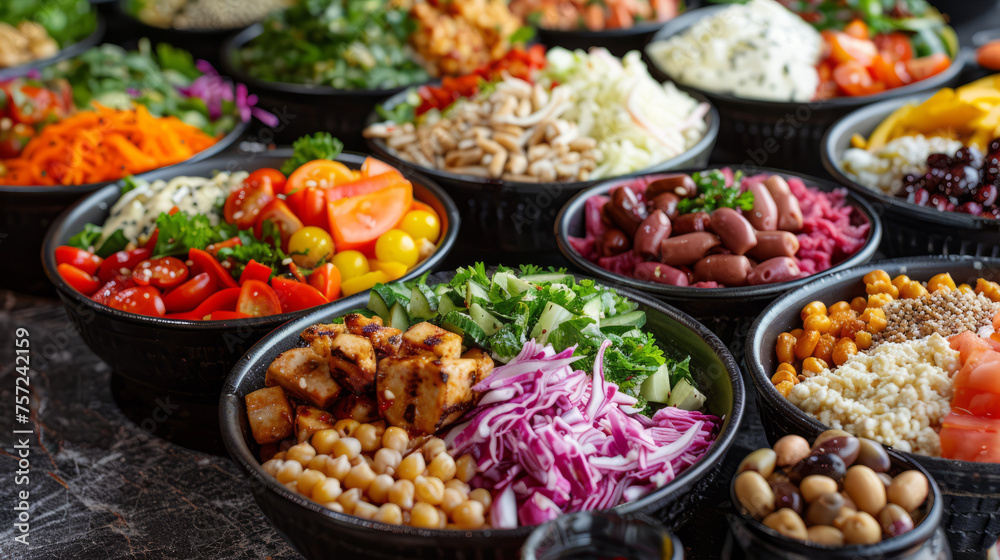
(734, 230)
(651, 233)
(687, 249)
(691, 223)
(786, 495)
(872, 455)
(764, 214)
(789, 212)
(679, 184)
(625, 210)
(666, 202)
(660, 273)
(826, 435)
(614, 242)
(728, 270)
(772, 244)
(847, 447)
(826, 464)
(771, 271)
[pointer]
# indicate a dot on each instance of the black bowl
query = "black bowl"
(519, 216)
(318, 532)
(706, 303)
(27, 212)
(971, 491)
(69, 51)
(783, 134)
(188, 360)
(301, 108)
(914, 230)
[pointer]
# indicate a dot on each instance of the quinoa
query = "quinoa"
(943, 312)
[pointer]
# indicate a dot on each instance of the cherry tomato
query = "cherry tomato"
(204, 262)
(327, 280)
(351, 264)
(310, 245)
(854, 80)
(844, 48)
(257, 178)
(142, 300)
(122, 263)
(927, 66)
(84, 260)
(396, 245)
(257, 299)
(857, 29)
(112, 287)
(309, 204)
(321, 173)
(190, 294)
(892, 73)
(81, 281)
(421, 223)
(896, 44)
(245, 203)
(372, 167)
(278, 213)
(296, 296)
(164, 273)
(255, 271)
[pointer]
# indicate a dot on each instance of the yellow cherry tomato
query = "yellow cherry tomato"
(393, 270)
(310, 245)
(351, 264)
(421, 223)
(363, 282)
(396, 245)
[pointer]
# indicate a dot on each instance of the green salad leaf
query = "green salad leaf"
(321, 145)
(66, 21)
(713, 193)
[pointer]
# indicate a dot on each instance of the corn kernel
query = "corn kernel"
(988, 289)
(913, 290)
(785, 387)
(813, 365)
(785, 366)
(942, 282)
(859, 304)
(878, 300)
(839, 306)
(813, 308)
(966, 289)
(818, 322)
(844, 349)
(805, 345)
(784, 376)
(877, 276)
(901, 281)
(797, 333)
(785, 347)
(863, 339)
(824, 348)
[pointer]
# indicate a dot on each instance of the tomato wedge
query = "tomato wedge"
(81, 281)
(84, 260)
(927, 66)
(969, 438)
(326, 279)
(366, 185)
(111, 288)
(190, 294)
(246, 202)
(296, 296)
(122, 263)
(276, 177)
(889, 71)
(142, 300)
(279, 214)
(322, 173)
(844, 48)
(372, 167)
(257, 299)
(205, 262)
(358, 221)
(896, 44)
(309, 204)
(255, 271)
(164, 273)
(854, 79)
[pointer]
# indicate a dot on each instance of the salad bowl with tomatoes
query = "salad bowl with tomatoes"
(172, 310)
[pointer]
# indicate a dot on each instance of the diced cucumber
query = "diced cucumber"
(444, 291)
(630, 319)
(551, 277)
(568, 292)
(381, 300)
(446, 306)
(593, 309)
(656, 387)
(474, 292)
(484, 319)
(460, 323)
(516, 285)
(686, 396)
(552, 316)
(423, 303)
(401, 292)
(398, 318)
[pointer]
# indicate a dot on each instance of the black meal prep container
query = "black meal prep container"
(575, 535)
(778, 133)
(317, 532)
(728, 311)
(187, 362)
(27, 212)
(912, 230)
(69, 51)
(970, 491)
(515, 216)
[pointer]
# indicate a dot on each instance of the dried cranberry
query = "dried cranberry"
(970, 208)
(920, 197)
(986, 195)
(939, 161)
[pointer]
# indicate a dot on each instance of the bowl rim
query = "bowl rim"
(576, 205)
(378, 145)
(220, 146)
(233, 436)
(685, 20)
(231, 67)
(831, 158)
(49, 244)
(122, 7)
(752, 350)
(69, 51)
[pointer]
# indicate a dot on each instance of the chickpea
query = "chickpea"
(450, 500)
(471, 514)
(785, 366)
(877, 276)
(369, 438)
(389, 513)
(349, 499)
(860, 528)
(859, 304)
(395, 438)
(280, 456)
(863, 340)
(411, 466)
(346, 427)
(334, 506)
(913, 290)
(434, 447)
(465, 468)
(790, 449)
(838, 320)
(754, 494)
(301, 452)
(337, 468)
(813, 365)
(908, 490)
(402, 493)
(788, 523)
(347, 447)
(844, 349)
(424, 516)
(783, 375)
(308, 480)
(785, 388)
(966, 289)
(387, 460)
(882, 288)
(814, 486)
(459, 486)
(824, 348)
(876, 320)
(880, 300)
(326, 491)
(817, 322)
(364, 510)
(318, 463)
(839, 307)
(482, 496)
(812, 309)
(360, 477)
(289, 471)
(443, 466)
(901, 281)
(378, 490)
(323, 440)
(272, 466)
(943, 282)
(292, 485)
(429, 489)
(806, 344)
(785, 347)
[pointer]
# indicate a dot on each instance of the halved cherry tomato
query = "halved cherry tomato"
(282, 217)
(227, 316)
(164, 273)
(190, 294)
(81, 281)
(857, 29)
(356, 222)
(257, 299)
(372, 167)
(896, 44)
(245, 203)
(142, 300)
(892, 73)
(326, 279)
(854, 80)
(295, 296)
(927, 66)
(84, 260)
(255, 271)
(309, 204)
(112, 287)
(844, 48)
(223, 300)
(122, 263)
(322, 173)
(277, 178)
(366, 185)
(205, 262)
(214, 248)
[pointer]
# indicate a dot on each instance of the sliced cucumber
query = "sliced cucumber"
(551, 277)
(475, 292)
(552, 316)
(446, 306)
(593, 309)
(444, 291)
(423, 303)
(686, 396)
(398, 318)
(381, 300)
(516, 285)
(460, 323)
(484, 319)
(630, 319)
(656, 387)
(401, 292)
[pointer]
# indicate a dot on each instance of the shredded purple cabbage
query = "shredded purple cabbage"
(549, 439)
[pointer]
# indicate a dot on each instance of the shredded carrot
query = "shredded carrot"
(103, 145)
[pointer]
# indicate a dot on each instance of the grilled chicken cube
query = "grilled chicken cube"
(309, 420)
(386, 340)
(425, 392)
(484, 362)
(361, 408)
(270, 415)
(318, 331)
(425, 337)
(351, 359)
(305, 375)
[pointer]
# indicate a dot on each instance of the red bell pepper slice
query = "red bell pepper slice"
(255, 271)
(296, 296)
(207, 263)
